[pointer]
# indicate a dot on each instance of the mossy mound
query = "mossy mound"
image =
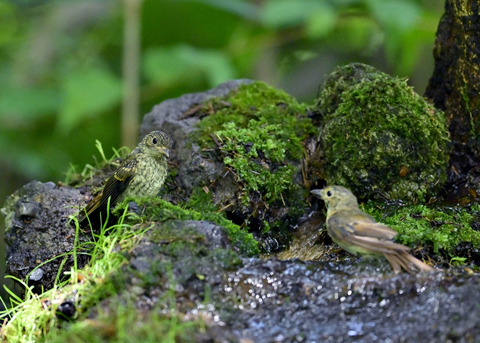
(260, 131)
(257, 132)
(158, 210)
(379, 136)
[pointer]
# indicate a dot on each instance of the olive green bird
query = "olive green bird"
(358, 233)
(141, 174)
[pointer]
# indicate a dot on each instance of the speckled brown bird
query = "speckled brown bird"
(358, 233)
(142, 173)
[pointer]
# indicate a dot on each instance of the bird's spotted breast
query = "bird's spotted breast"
(148, 180)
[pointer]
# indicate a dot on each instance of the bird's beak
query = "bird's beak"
(164, 151)
(317, 192)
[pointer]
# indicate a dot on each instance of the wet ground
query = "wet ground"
(269, 300)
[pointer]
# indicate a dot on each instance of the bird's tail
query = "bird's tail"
(403, 260)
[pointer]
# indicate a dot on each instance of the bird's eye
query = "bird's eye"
(26, 218)
(329, 194)
(154, 140)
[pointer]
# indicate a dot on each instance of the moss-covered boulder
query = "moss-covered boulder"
(239, 151)
(379, 136)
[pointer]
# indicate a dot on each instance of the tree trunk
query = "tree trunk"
(455, 84)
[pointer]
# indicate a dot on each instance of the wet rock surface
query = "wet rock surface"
(37, 230)
(293, 301)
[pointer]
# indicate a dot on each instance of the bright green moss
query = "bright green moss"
(257, 176)
(200, 201)
(156, 209)
(443, 228)
(379, 136)
(262, 104)
(258, 130)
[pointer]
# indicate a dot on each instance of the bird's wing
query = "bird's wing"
(364, 233)
(374, 244)
(114, 186)
(119, 181)
(372, 229)
(361, 224)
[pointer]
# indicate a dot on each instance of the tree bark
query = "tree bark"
(455, 84)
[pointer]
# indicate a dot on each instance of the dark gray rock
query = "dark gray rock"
(215, 235)
(37, 230)
(170, 117)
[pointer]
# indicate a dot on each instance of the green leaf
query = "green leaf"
(18, 106)
(216, 67)
(166, 66)
(86, 93)
(171, 66)
(321, 22)
(358, 33)
(240, 8)
(396, 14)
(404, 51)
(287, 13)
(400, 21)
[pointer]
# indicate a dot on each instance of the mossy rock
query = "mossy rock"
(257, 133)
(380, 137)
(239, 151)
(158, 210)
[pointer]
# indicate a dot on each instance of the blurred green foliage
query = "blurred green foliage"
(61, 61)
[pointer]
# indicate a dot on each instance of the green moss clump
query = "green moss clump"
(241, 156)
(380, 136)
(156, 209)
(259, 130)
(200, 201)
(443, 228)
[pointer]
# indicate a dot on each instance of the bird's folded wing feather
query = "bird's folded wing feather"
(365, 233)
(372, 229)
(361, 225)
(114, 186)
(377, 245)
